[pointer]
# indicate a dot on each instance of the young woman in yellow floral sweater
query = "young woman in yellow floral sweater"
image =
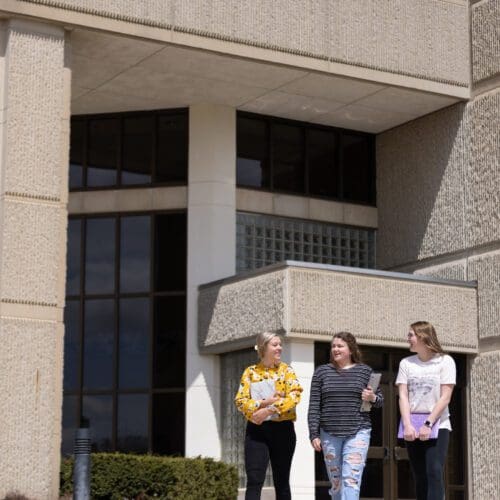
(268, 394)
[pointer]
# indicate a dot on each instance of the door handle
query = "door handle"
(387, 454)
(400, 453)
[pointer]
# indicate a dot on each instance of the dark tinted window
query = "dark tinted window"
(252, 166)
(76, 155)
(118, 338)
(287, 144)
(100, 256)
(321, 160)
(357, 176)
(168, 413)
(137, 150)
(170, 252)
(172, 151)
(103, 147)
(170, 343)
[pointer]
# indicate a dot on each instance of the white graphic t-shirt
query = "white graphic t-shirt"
(424, 380)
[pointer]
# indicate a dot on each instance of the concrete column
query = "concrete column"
(34, 139)
(211, 255)
(300, 355)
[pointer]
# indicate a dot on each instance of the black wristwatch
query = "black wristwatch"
(428, 423)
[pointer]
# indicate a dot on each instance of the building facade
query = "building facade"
(178, 176)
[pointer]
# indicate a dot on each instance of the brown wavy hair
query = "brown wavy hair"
(350, 340)
(426, 332)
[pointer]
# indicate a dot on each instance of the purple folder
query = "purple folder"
(417, 420)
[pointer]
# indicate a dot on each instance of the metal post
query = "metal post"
(81, 470)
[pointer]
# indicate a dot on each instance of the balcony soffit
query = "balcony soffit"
(116, 74)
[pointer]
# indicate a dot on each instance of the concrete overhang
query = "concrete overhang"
(112, 73)
(313, 301)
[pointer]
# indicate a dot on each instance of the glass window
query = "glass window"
(97, 413)
(164, 420)
(172, 149)
(100, 256)
(137, 150)
(69, 424)
(73, 257)
(170, 252)
(134, 338)
(288, 158)
(98, 344)
(103, 149)
(357, 176)
(132, 428)
(135, 249)
(321, 160)
(170, 341)
(76, 154)
(71, 344)
(252, 164)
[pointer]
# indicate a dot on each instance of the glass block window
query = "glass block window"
(264, 239)
(233, 422)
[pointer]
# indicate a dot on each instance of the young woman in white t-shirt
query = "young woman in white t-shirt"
(426, 381)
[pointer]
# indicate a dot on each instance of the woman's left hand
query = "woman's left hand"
(368, 395)
(260, 415)
(424, 433)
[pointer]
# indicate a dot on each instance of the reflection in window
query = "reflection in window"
(132, 429)
(134, 343)
(98, 344)
(97, 415)
(71, 343)
(69, 424)
(172, 151)
(76, 155)
(113, 333)
(135, 245)
(103, 152)
(302, 158)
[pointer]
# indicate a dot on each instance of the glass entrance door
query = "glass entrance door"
(387, 475)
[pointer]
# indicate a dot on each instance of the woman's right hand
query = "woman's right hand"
(316, 444)
(409, 433)
(264, 403)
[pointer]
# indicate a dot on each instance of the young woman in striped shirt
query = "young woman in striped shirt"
(337, 426)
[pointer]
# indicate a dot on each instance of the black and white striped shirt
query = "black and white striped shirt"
(335, 400)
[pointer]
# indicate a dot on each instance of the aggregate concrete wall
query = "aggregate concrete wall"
(34, 141)
(421, 38)
(485, 19)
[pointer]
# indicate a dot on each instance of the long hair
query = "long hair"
(262, 340)
(427, 334)
(350, 340)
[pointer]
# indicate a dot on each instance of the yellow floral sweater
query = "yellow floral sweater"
(285, 382)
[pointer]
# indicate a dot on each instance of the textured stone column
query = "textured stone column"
(34, 138)
(211, 255)
(300, 355)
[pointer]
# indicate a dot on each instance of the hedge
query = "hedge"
(117, 476)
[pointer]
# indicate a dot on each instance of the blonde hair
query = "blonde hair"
(427, 334)
(262, 340)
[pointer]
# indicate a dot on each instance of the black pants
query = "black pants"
(427, 459)
(273, 441)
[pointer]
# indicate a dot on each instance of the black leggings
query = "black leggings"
(273, 441)
(427, 459)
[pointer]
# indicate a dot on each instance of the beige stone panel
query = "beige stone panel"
(360, 215)
(379, 310)
(35, 98)
(485, 269)
(328, 211)
(30, 413)
(485, 27)
(291, 206)
(485, 425)
(421, 169)
(31, 252)
(241, 310)
(315, 301)
(421, 38)
(249, 200)
(482, 195)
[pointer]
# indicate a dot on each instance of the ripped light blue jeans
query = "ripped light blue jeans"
(345, 460)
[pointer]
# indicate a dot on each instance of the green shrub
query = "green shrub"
(116, 476)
